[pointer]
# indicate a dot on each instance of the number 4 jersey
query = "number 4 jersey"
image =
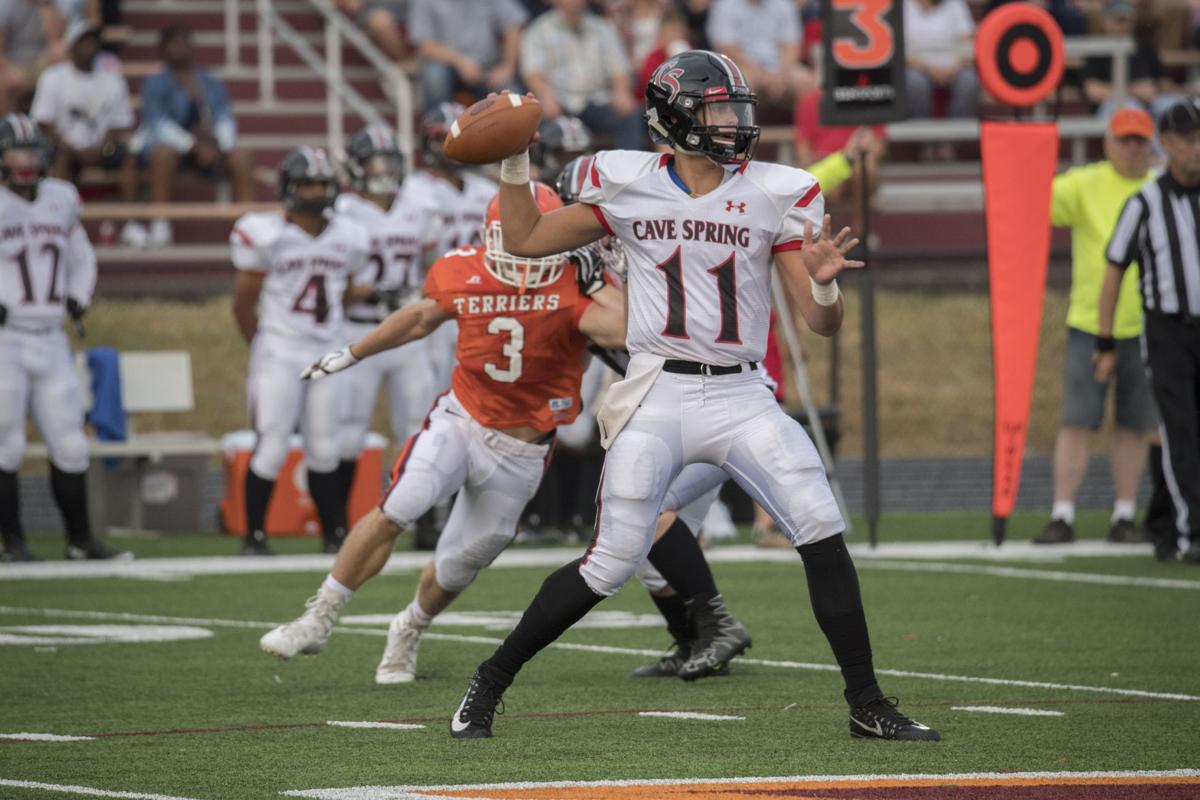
(699, 268)
(45, 256)
(520, 354)
(306, 277)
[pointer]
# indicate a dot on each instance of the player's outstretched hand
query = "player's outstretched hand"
(589, 269)
(330, 363)
(825, 256)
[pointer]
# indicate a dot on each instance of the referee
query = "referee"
(1160, 228)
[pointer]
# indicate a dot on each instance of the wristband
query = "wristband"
(827, 294)
(515, 169)
(1105, 344)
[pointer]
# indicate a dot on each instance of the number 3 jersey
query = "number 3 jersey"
(45, 256)
(520, 354)
(699, 268)
(306, 276)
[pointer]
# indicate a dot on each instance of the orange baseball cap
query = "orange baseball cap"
(1131, 122)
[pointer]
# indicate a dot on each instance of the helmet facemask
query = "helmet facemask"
(310, 203)
(21, 168)
(521, 272)
(381, 174)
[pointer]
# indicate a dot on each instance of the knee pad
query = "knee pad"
(12, 449)
(270, 453)
(457, 567)
(651, 578)
(69, 451)
(321, 452)
(412, 495)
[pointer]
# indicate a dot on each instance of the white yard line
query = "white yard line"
(1057, 576)
(420, 792)
(689, 715)
(1020, 712)
(167, 568)
(390, 726)
(595, 648)
(87, 791)
(45, 737)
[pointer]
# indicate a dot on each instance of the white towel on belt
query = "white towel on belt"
(626, 395)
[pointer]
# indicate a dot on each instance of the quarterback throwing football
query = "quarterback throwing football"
(701, 228)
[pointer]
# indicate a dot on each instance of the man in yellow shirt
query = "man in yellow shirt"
(1088, 200)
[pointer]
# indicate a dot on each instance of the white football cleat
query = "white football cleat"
(306, 635)
(399, 664)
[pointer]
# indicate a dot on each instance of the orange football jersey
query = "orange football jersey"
(520, 355)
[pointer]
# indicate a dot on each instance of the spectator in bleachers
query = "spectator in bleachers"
(672, 40)
(186, 122)
(465, 45)
(383, 21)
(82, 105)
(27, 28)
(573, 61)
(1147, 87)
(763, 37)
(639, 22)
(935, 32)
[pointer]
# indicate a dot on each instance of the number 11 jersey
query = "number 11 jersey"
(306, 276)
(699, 268)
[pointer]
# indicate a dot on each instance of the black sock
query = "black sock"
(561, 602)
(1160, 513)
(345, 471)
(326, 491)
(258, 496)
(675, 612)
(10, 509)
(678, 557)
(70, 495)
(837, 605)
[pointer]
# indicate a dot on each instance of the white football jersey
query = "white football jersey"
(306, 277)
(460, 213)
(398, 237)
(699, 268)
(45, 255)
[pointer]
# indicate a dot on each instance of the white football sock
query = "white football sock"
(1123, 509)
(1064, 510)
(419, 617)
(335, 591)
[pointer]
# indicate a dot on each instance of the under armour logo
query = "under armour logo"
(474, 279)
(730, 206)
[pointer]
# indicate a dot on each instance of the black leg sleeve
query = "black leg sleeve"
(10, 509)
(70, 495)
(677, 555)
(258, 496)
(837, 605)
(561, 602)
(326, 491)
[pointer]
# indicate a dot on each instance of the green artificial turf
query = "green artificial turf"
(572, 715)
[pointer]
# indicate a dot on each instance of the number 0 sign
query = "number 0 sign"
(863, 81)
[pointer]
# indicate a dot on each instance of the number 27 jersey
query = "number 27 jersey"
(699, 268)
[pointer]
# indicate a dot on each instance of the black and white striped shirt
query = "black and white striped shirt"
(1160, 229)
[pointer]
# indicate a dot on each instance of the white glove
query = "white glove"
(330, 363)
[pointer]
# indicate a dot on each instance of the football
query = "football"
(498, 126)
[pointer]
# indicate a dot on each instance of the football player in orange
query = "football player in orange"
(523, 328)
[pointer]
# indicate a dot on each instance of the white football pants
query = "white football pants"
(280, 402)
(494, 474)
(691, 494)
(409, 381)
(37, 375)
(729, 421)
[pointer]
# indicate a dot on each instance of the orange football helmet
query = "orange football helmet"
(523, 273)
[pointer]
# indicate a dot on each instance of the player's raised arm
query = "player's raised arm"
(810, 275)
(528, 232)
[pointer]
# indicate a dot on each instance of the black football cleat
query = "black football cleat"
(720, 639)
(18, 553)
(96, 550)
(667, 666)
(879, 719)
(1124, 531)
(473, 719)
(1057, 531)
(256, 544)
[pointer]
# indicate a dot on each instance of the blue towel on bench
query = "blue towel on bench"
(108, 408)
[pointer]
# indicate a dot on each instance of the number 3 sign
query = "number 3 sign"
(864, 70)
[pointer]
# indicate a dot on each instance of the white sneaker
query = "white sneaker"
(161, 234)
(134, 234)
(306, 635)
(399, 664)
